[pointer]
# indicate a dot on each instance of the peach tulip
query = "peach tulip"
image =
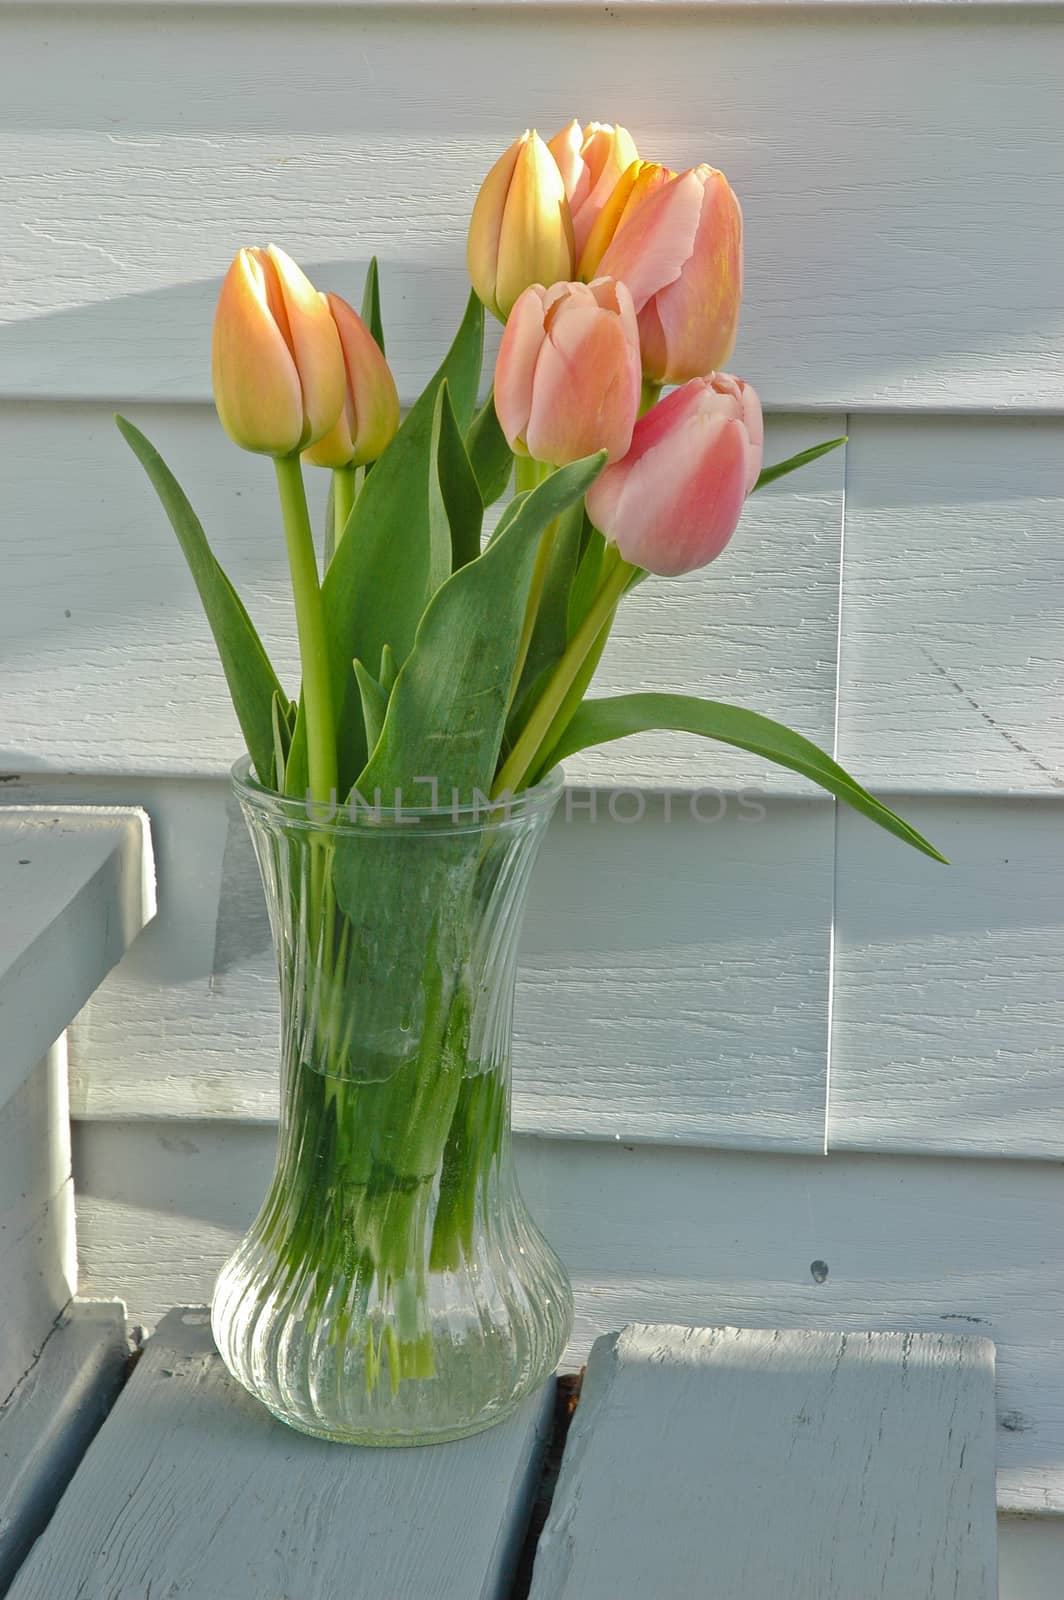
(591, 161)
(680, 253)
(673, 502)
(521, 230)
(368, 422)
(567, 377)
(276, 361)
(632, 188)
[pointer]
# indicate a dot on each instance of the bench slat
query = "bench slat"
(740, 1464)
(193, 1491)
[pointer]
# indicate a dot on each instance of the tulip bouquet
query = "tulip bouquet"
(433, 656)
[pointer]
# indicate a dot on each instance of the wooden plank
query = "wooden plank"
(734, 1462)
(38, 1270)
(76, 886)
(953, 588)
(892, 263)
(113, 668)
(192, 1489)
(46, 1425)
(937, 1245)
(948, 1013)
(673, 979)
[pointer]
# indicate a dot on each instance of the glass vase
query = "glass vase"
(394, 1289)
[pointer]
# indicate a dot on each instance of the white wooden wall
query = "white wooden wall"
(754, 991)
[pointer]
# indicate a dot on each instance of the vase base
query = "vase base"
(386, 1439)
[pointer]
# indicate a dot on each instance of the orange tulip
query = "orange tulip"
(673, 502)
(567, 379)
(635, 184)
(591, 161)
(369, 419)
(276, 361)
(681, 254)
(521, 231)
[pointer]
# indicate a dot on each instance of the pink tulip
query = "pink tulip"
(674, 501)
(681, 254)
(591, 160)
(632, 188)
(567, 378)
(370, 416)
(276, 364)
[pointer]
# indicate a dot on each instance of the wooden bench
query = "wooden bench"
(737, 1464)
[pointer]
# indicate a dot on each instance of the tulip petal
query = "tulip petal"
(372, 398)
(485, 226)
(565, 147)
(651, 248)
(586, 388)
(256, 385)
(536, 238)
(680, 503)
(315, 345)
(699, 312)
(516, 364)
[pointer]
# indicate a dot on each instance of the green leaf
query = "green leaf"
(448, 708)
(455, 508)
(600, 721)
(489, 453)
(386, 676)
(374, 704)
(586, 582)
(248, 672)
(283, 714)
(792, 463)
(371, 304)
(329, 541)
(378, 583)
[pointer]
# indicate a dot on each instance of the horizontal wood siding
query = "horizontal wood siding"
(899, 169)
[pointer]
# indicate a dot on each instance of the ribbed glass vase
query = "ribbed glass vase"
(393, 1288)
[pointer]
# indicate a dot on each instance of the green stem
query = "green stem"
(310, 626)
(515, 769)
(651, 391)
(345, 491)
(528, 474)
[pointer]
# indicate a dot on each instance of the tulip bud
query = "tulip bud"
(276, 362)
(632, 188)
(674, 501)
(591, 160)
(567, 377)
(369, 419)
(521, 231)
(680, 253)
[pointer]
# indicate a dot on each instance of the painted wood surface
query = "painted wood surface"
(109, 665)
(872, 1453)
(673, 981)
(192, 1489)
(953, 586)
(76, 887)
(46, 1425)
(38, 1269)
(948, 1013)
(1030, 1558)
(841, 1244)
(893, 261)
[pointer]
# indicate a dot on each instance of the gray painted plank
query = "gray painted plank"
(191, 1489)
(38, 1269)
(46, 1425)
(932, 1245)
(910, 263)
(76, 887)
(731, 1463)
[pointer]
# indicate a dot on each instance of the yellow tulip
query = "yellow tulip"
(276, 361)
(632, 188)
(521, 231)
